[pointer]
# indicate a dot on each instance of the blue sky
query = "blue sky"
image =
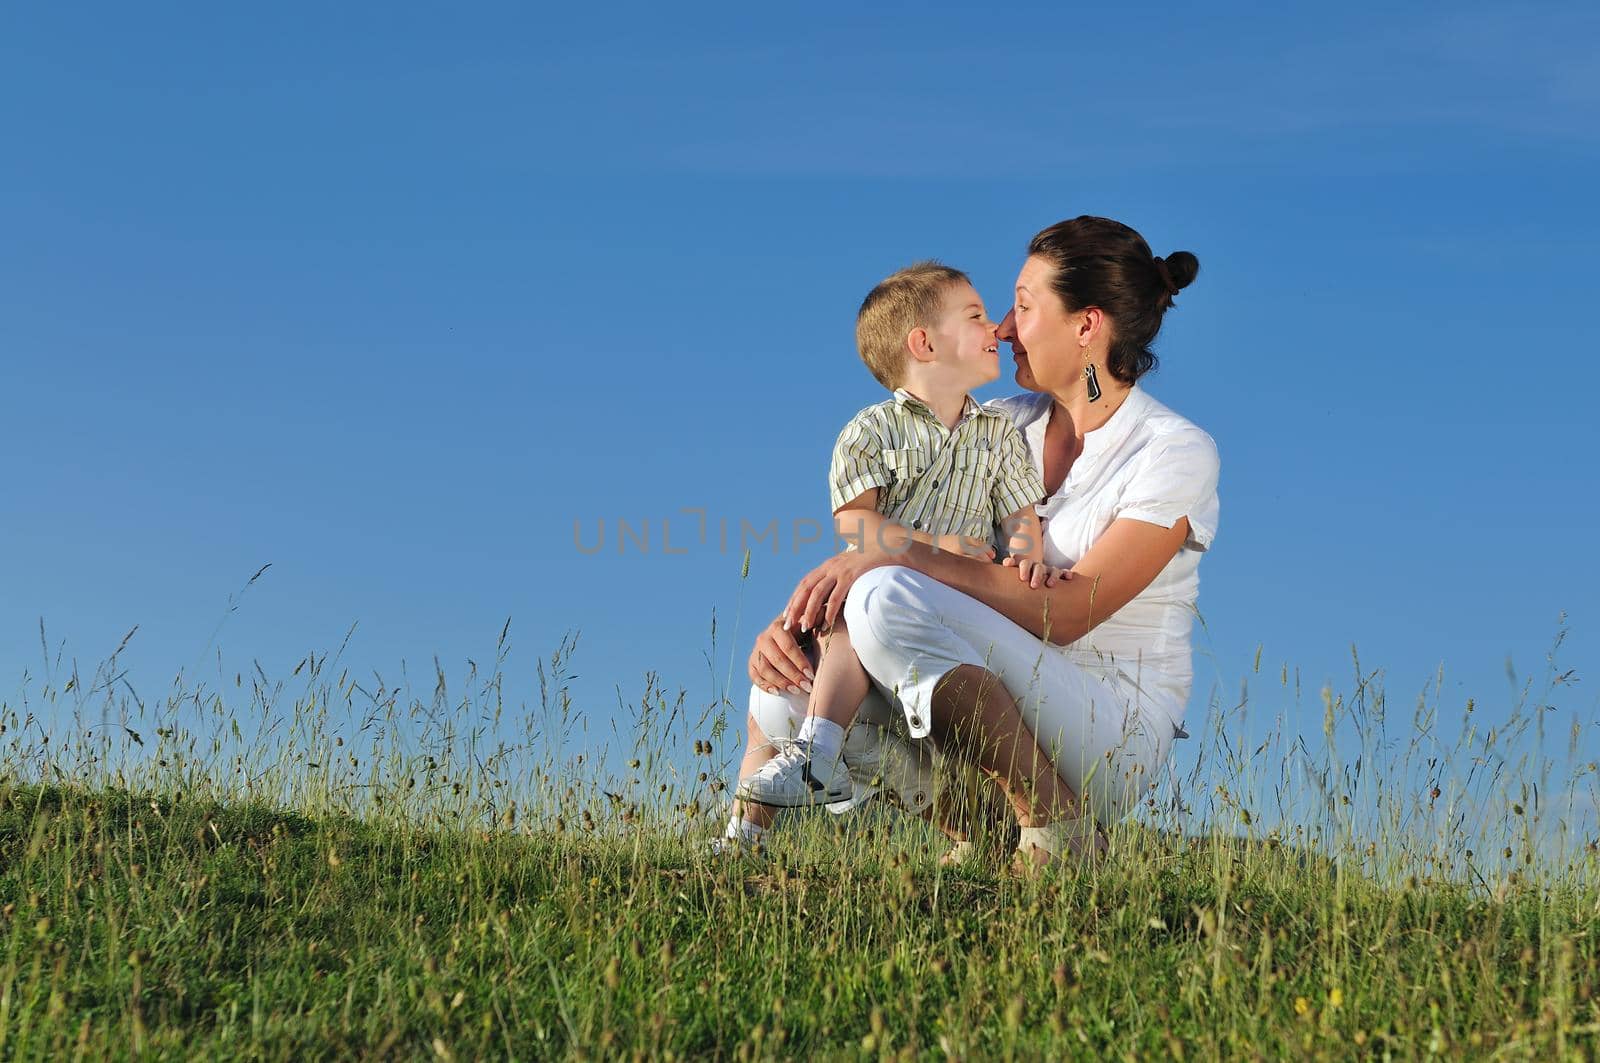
(392, 296)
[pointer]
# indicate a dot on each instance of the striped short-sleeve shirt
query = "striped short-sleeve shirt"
(944, 481)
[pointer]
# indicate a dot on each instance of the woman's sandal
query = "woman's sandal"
(961, 854)
(1080, 839)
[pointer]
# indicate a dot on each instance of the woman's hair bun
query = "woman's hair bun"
(1182, 267)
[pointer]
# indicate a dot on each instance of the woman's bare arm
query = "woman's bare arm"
(1122, 562)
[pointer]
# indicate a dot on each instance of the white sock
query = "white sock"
(824, 737)
(744, 831)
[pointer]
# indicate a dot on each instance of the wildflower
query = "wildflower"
(1335, 997)
(1302, 1006)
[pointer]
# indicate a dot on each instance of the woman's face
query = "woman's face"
(1045, 339)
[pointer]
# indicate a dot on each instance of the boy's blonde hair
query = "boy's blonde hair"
(902, 301)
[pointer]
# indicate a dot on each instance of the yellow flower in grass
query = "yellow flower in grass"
(1301, 1006)
(1335, 997)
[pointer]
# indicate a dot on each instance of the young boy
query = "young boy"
(931, 462)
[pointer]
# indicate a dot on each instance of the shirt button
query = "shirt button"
(936, 485)
(916, 525)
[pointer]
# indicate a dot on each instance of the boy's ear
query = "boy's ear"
(918, 344)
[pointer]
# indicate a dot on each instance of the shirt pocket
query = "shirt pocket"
(982, 466)
(906, 465)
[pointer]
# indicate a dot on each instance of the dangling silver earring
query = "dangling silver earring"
(1092, 382)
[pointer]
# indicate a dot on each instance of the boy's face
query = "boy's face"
(964, 339)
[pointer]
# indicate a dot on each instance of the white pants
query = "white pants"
(1107, 736)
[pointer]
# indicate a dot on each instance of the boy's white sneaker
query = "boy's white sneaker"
(793, 780)
(725, 848)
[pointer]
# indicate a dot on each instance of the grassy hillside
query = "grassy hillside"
(355, 869)
(179, 927)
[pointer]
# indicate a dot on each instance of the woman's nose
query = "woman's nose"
(1007, 329)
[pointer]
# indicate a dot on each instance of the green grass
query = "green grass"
(359, 871)
(181, 927)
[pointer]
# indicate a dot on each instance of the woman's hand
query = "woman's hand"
(819, 597)
(1037, 574)
(778, 663)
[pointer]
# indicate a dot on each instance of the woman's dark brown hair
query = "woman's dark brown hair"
(1100, 262)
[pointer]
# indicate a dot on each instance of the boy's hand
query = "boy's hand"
(1037, 574)
(966, 545)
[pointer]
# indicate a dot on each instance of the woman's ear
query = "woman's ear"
(918, 343)
(1091, 325)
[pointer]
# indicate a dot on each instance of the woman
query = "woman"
(1089, 675)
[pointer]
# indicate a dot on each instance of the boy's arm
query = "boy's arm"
(1016, 491)
(1026, 533)
(857, 470)
(859, 518)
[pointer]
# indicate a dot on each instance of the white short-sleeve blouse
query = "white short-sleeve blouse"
(1150, 464)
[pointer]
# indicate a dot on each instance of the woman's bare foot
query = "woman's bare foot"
(1078, 841)
(962, 853)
